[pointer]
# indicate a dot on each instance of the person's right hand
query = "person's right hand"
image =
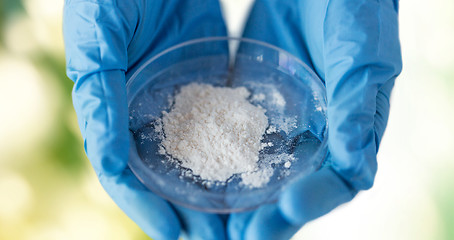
(106, 40)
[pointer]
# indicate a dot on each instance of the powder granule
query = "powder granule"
(214, 131)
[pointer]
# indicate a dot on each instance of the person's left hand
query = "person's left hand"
(353, 45)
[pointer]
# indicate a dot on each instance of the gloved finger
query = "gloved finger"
(295, 26)
(151, 213)
(266, 222)
(285, 25)
(237, 224)
(96, 52)
(360, 59)
(100, 102)
(198, 225)
(313, 196)
(303, 201)
(165, 23)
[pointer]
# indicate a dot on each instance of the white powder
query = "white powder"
(258, 97)
(257, 178)
(269, 96)
(271, 129)
(214, 131)
(278, 99)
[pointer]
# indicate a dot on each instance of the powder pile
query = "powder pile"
(215, 131)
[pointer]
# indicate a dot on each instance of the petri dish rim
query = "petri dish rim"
(210, 39)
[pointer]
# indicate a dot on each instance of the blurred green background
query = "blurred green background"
(49, 191)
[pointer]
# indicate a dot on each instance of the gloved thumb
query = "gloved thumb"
(314, 196)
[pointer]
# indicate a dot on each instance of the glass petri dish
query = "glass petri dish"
(292, 94)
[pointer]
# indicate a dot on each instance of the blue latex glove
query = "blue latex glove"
(353, 45)
(342, 41)
(105, 42)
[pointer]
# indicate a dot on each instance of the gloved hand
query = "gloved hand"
(353, 45)
(105, 41)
